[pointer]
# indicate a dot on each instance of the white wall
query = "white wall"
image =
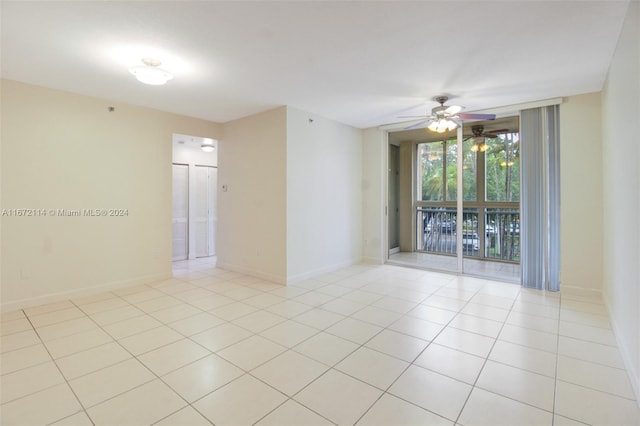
(187, 150)
(581, 215)
(65, 151)
(252, 213)
(621, 201)
(324, 195)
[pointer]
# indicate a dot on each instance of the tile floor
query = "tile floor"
(366, 345)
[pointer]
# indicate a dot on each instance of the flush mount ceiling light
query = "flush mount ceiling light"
(208, 145)
(151, 73)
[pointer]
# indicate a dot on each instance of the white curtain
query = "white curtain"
(540, 195)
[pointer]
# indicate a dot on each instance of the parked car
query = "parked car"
(470, 241)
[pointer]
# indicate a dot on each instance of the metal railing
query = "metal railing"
(500, 240)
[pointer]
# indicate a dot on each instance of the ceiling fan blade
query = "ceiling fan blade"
(477, 116)
(413, 116)
(418, 124)
(453, 109)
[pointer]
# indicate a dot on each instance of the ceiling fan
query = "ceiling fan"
(479, 136)
(445, 118)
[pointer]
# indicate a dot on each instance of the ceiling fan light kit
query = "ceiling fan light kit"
(447, 118)
(151, 73)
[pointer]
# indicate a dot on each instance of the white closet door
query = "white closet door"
(205, 210)
(180, 221)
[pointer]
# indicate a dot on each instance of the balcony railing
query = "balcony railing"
(499, 241)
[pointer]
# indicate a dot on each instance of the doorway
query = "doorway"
(478, 234)
(195, 176)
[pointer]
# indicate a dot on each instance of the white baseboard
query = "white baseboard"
(625, 353)
(248, 271)
(81, 292)
(321, 271)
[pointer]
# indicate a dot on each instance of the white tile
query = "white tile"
(595, 376)
(588, 351)
(143, 405)
(390, 410)
(115, 315)
(338, 397)
(431, 391)
(432, 314)
(377, 316)
(547, 325)
(319, 318)
(221, 336)
(77, 342)
(103, 384)
(29, 380)
(55, 317)
(142, 296)
(564, 421)
(173, 356)
(258, 321)
(22, 339)
(342, 306)
(529, 359)
(149, 340)
(354, 330)
(524, 386)
(251, 352)
(132, 326)
(444, 303)
(530, 338)
(23, 358)
(364, 297)
(196, 324)
(289, 292)
(398, 345)
(314, 298)
(289, 333)
(450, 362)
(264, 300)
(241, 293)
(536, 309)
(488, 409)
(372, 367)
(83, 300)
(195, 380)
(12, 315)
(585, 318)
(416, 327)
(66, 328)
(464, 341)
(14, 326)
(293, 414)
(594, 407)
(49, 307)
(484, 311)
(585, 332)
(104, 305)
(477, 325)
(242, 402)
(493, 301)
(78, 419)
(233, 311)
(394, 304)
(91, 360)
(326, 348)
(43, 407)
(175, 313)
(289, 372)
(158, 303)
(288, 308)
(185, 417)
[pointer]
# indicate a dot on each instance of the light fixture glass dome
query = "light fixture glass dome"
(151, 73)
(208, 145)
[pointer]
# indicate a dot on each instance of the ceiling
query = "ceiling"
(363, 63)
